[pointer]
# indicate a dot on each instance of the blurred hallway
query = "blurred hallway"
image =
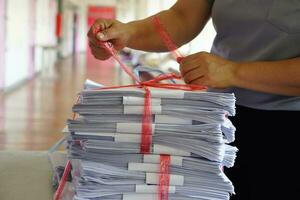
(33, 115)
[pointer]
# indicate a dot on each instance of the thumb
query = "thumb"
(108, 34)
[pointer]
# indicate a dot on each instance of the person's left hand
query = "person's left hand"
(208, 70)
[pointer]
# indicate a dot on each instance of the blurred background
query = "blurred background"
(45, 60)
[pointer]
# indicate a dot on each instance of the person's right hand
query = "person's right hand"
(104, 30)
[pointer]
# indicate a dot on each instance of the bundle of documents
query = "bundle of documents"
(191, 126)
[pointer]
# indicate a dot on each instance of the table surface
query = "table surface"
(25, 175)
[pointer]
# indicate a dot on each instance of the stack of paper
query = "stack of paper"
(191, 126)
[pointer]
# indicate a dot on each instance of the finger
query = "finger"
(193, 75)
(190, 61)
(199, 81)
(100, 25)
(186, 67)
(100, 55)
(97, 46)
(92, 38)
(191, 57)
(103, 30)
(108, 34)
(99, 52)
(94, 29)
(97, 27)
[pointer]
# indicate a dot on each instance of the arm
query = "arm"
(278, 77)
(183, 21)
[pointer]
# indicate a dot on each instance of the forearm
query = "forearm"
(145, 37)
(183, 22)
(279, 77)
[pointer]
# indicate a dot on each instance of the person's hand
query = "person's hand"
(112, 31)
(208, 70)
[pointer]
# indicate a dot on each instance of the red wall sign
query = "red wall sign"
(95, 12)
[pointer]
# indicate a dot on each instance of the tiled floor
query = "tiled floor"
(32, 116)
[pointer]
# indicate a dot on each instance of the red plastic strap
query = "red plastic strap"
(166, 38)
(112, 51)
(63, 181)
(156, 84)
(146, 138)
(123, 66)
(164, 177)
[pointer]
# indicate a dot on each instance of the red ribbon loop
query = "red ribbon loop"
(163, 77)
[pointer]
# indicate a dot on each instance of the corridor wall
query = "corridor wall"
(2, 40)
(17, 41)
(28, 26)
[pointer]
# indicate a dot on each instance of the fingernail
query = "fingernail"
(100, 36)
